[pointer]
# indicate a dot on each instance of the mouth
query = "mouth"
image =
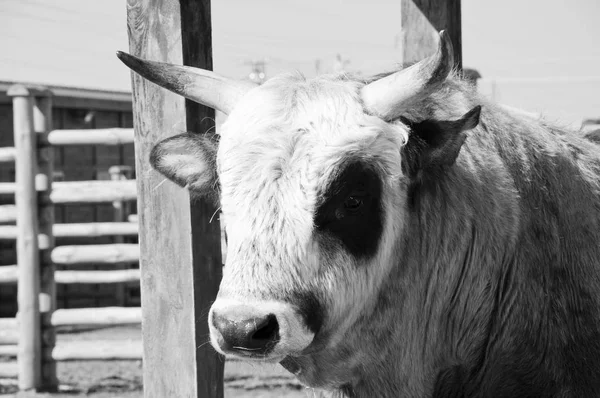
(250, 356)
(291, 365)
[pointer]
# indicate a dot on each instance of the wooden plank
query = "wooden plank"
(98, 350)
(93, 191)
(175, 294)
(96, 229)
(9, 336)
(8, 188)
(87, 350)
(98, 277)
(104, 316)
(8, 275)
(7, 154)
(9, 350)
(79, 230)
(110, 136)
(30, 344)
(96, 254)
(421, 22)
(8, 323)
(8, 370)
(83, 191)
(8, 214)
(196, 31)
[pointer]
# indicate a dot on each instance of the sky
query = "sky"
(542, 55)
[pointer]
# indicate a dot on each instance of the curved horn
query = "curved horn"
(202, 86)
(387, 96)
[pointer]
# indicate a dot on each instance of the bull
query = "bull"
(397, 236)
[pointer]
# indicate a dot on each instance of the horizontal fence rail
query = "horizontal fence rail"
(100, 317)
(64, 192)
(92, 191)
(8, 214)
(96, 254)
(80, 230)
(7, 154)
(9, 275)
(8, 331)
(105, 316)
(88, 350)
(112, 136)
(8, 370)
(8, 188)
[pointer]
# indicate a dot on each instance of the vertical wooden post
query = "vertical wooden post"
(421, 22)
(118, 173)
(29, 356)
(42, 120)
(180, 256)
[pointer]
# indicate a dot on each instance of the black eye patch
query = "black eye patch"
(350, 210)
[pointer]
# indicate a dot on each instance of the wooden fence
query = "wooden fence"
(31, 337)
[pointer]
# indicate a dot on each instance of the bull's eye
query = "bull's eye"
(349, 210)
(353, 203)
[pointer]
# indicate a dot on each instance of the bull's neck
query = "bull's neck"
(437, 304)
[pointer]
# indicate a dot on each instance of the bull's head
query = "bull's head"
(311, 177)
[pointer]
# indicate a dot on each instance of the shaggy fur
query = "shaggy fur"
(486, 278)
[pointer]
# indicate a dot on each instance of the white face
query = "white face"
(311, 198)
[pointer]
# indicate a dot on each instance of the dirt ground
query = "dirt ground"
(123, 379)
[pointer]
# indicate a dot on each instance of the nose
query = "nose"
(244, 332)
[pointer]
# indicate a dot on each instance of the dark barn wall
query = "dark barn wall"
(72, 163)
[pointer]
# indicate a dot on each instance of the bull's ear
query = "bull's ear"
(436, 143)
(189, 160)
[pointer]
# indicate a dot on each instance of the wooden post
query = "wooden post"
(180, 252)
(42, 120)
(29, 353)
(421, 22)
(121, 211)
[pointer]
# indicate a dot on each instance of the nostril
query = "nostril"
(251, 335)
(268, 330)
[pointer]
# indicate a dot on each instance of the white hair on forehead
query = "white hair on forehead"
(278, 151)
(275, 117)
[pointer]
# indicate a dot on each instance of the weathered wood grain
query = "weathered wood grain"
(421, 22)
(93, 191)
(42, 122)
(111, 136)
(105, 316)
(30, 348)
(80, 230)
(87, 350)
(180, 257)
(9, 273)
(96, 254)
(196, 28)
